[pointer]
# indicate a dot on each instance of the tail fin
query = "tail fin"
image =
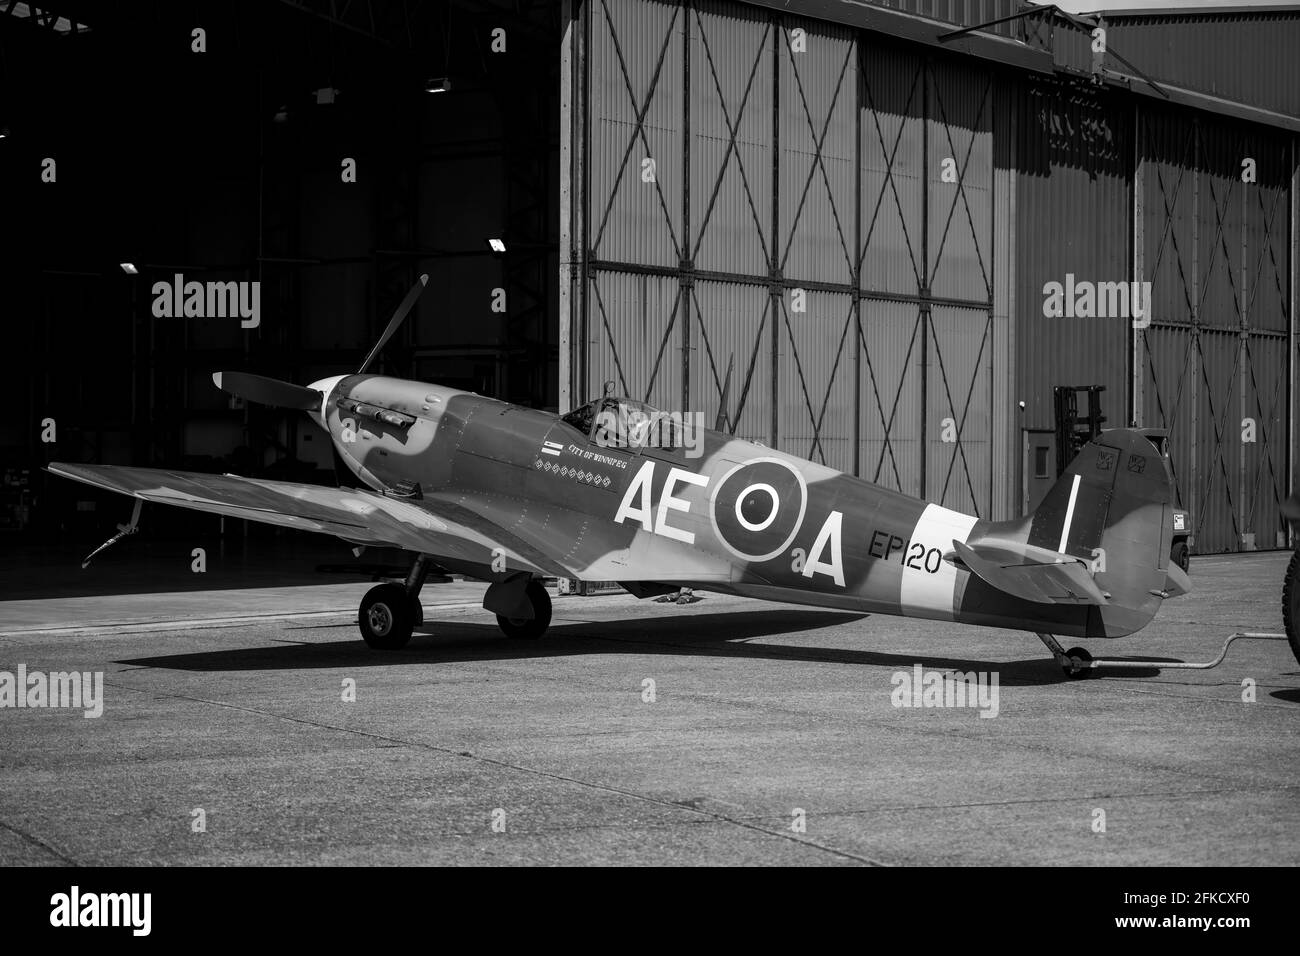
(1100, 537)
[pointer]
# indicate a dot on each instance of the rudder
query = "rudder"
(1114, 508)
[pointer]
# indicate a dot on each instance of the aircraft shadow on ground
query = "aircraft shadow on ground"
(732, 634)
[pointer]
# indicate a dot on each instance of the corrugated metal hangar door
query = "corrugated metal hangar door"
(773, 195)
(1212, 366)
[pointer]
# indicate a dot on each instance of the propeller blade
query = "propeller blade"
(396, 320)
(268, 391)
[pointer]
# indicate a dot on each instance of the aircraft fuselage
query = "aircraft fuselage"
(726, 515)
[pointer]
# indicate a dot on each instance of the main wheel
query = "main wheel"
(1077, 656)
(1179, 556)
(526, 629)
(1291, 604)
(387, 617)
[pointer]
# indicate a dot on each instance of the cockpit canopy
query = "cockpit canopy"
(626, 423)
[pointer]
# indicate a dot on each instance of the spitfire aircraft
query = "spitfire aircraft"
(616, 491)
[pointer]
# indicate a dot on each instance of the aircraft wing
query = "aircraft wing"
(1064, 582)
(356, 515)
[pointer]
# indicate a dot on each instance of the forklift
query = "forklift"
(1074, 429)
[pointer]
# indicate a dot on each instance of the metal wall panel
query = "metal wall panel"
(731, 67)
(893, 180)
(1220, 251)
(963, 12)
(1265, 280)
(1264, 461)
(815, 390)
(960, 213)
(890, 389)
(635, 338)
(1171, 205)
(817, 93)
(732, 322)
(1247, 57)
(1202, 384)
(1072, 218)
(636, 115)
(959, 398)
(1008, 501)
(1171, 403)
(1213, 366)
(805, 175)
(1218, 443)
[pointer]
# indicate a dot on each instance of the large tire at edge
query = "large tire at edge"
(1291, 604)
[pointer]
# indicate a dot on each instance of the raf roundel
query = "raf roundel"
(757, 508)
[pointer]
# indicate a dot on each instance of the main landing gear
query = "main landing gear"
(524, 628)
(391, 611)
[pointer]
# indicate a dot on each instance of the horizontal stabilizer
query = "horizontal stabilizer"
(1065, 580)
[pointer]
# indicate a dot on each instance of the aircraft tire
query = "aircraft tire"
(386, 618)
(1075, 672)
(529, 630)
(1179, 556)
(1291, 604)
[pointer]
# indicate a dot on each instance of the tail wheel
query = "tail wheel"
(387, 617)
(525, 628)
(1077, 668)
(1291, 604)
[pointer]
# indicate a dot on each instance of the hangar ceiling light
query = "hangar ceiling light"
(497, 245)
(129, 268)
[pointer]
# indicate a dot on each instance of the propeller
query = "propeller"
(271, 391)
(396, 320)
(268, 391)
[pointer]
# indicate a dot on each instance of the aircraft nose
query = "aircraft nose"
(326, 387)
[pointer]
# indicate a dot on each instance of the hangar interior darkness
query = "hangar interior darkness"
(226, 165)
(815, 168)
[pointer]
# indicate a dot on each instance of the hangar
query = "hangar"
(841, 228)
(862, 209)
